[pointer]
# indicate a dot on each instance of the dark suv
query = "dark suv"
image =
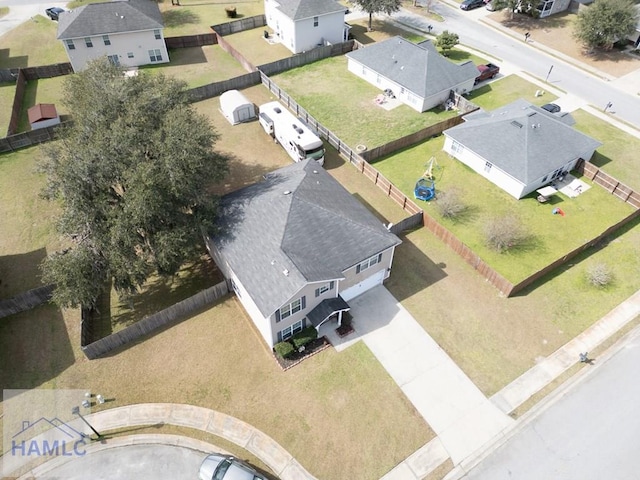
(471, 4)
(54, 12)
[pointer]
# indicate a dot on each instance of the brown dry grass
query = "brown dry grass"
(556, 32)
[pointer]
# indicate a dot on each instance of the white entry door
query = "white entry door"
(359, 288)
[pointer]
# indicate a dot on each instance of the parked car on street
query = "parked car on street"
(471, 4)
(219, 467)
(54, 12)
(551, 107)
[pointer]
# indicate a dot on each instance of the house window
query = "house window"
(156, 33)
(290, 309)
(114, 60)
(487, 166)
(290, 331)
(129, 54)
(324, 288)
(70, 44)
(155, 55)
(369, 263)
(456, 147)
(105, 39)
(315, 21)
(88, 42)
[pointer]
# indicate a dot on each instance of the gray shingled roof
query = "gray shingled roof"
(314, 233)
(299, 9)
(118, 16)
(418, 68)
(522, 140)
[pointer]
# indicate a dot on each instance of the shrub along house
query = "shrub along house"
(297, 247)
(128, 32)
(416, 73)
(301, 25)
(519, 147)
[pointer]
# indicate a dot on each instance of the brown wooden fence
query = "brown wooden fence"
(214, 89)
(187, 41)
(414, 221)
(311, 56)
(25, 301)
(34, 73)
(241, 25)
(606, 181)
(150, 324)
(18, 97)
(32, 137)
(226, 46)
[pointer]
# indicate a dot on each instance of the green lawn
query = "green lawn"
(7, 94)
(618, 154)
(552, 235)
(199, 65)
(255, 48)
(381, 31)
(506, 90)
(346, 104)
(4, 11)
(44, 90)
(32, 43)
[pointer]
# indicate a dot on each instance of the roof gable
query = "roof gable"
(118, 16)
(42, 111)
(300, 9)
(277, 242)
(417, 67)
(522, 140)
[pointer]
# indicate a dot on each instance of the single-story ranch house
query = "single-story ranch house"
(519, 147)
(302, 25)
(128, 32)
(296, 247)
(416, 73)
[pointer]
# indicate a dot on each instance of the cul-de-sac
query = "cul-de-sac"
(319, 239)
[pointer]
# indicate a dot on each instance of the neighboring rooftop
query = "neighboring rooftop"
(299, 225)
(417, 67)
(118, 16)
(300, 9)
(522, 140)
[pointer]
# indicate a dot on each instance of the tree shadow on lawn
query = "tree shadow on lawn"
(176, 18)
(28, 101)
(524, 21)
(240, 175)
(20, 272)
(599, 160)
(7, 61)
(414, 271)
(34, 347)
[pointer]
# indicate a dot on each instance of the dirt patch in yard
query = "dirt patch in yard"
(556, 32)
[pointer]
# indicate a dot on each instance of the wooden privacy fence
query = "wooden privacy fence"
(32, 137)
(150, 324)
(34, 73)
(214, 89)
(25, 301)
(409, 223)
(18, 98)
(241, 25)
(606, 181)
(311, 56)
(187, 41)
(226, 46)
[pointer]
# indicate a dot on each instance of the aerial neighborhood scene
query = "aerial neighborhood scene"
(319, 239)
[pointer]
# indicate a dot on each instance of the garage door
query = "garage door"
(366, 284)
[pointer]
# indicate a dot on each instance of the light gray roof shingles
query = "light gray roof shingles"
(118, 16)
(314, 233)
(522, 140)
(300, 9)
(418, 68)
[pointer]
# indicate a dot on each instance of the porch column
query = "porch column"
(340, 318)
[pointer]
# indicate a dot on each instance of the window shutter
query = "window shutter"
(331, 285)
(379, 257)
(303, 302)
(304, 323)
(357, 269)
(279, 336)
(278, 316)
(317, 292)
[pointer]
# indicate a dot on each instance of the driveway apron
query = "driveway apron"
(462, 417)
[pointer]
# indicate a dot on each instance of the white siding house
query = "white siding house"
(296, 247)
(519, 147)
(128, 32)
(301, 25)
(416, 73)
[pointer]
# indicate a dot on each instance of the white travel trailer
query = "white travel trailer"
(290, 132)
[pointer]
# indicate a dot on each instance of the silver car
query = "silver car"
(225, 467)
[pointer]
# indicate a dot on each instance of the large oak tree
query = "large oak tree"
(131, 174)
(604, 22)
(378, 6)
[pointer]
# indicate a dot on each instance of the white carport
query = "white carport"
(236, 107)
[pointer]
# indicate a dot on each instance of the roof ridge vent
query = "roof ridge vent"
(516, 124)
(287, 192)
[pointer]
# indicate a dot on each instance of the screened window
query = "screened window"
(369, 263)
(105, 39)
(315, 21)
(70, 44)
(290, 331)
(88, 42)
(156, 33)
(155, 55)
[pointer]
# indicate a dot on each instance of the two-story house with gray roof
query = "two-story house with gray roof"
(519, 147)
(416, 73)
(296, 247)
(128, 32)
(301, 25)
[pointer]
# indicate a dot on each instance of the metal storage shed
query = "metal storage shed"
(236, 107)
(43, 115)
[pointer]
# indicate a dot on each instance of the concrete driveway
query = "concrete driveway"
(462, 417)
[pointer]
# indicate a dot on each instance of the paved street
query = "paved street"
(591, 433)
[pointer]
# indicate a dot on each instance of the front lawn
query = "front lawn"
(507, 90)
(32, 43)
(198, 65)
(552, 236)
(346, 104)
(382, 30)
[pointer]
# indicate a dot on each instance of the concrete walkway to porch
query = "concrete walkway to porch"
(462, 417)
